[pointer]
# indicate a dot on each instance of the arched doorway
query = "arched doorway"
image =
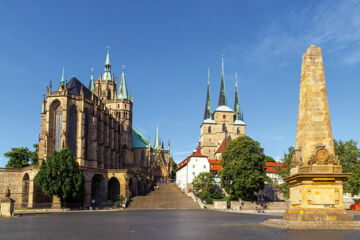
(25, 191)
(97, 189)
(113, 189)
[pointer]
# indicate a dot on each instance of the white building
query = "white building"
(190, 168)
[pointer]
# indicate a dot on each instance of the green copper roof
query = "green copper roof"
(208, 113)
(238, 115)
(222, 97)
(92, 83)
(137, 139)
(123, 92)
(107, 70)
(62, 82)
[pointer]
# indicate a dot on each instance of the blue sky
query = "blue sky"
(167, 47)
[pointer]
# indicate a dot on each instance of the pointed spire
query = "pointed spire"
(123, 92)
(62, 82)
(222, 97)
(92, 82)
(107, 70)
(157, 138)
(208, 113)
(238, 115)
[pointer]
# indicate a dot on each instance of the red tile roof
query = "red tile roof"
(222, 146)
(215, 165)
(273, 167)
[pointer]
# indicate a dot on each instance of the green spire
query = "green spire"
(222, 97)
(92, 83)
(107, 70)
(122, 92)
(238, 115)
(157, 138)
(62, 83)
(208, 113)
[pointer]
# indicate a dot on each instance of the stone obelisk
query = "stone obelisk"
(316, 177)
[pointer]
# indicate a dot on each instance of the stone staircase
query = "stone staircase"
(167, 196)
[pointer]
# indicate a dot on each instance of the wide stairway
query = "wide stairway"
(167, 196)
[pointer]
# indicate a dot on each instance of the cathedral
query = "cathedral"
(223, 124)
(96, 124)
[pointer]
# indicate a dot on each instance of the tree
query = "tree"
(21, 157)
(349, 156)
(269, 159)
(204, 185)
(173, 171)
(60, 175)
(243, 172)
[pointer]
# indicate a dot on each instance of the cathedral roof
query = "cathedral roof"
(239, 122)
(137, 139)
(74, 87)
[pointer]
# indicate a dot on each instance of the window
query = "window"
(224, 116)
(209, 130)
(204, 166)
(193, 173)
(72, 128)
(142, 157)
(86, 135)
(224, 128)
(194, 166)
(238, 131)
(109, 94)
(58, 128)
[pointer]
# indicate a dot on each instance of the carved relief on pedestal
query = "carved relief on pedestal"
(323, 157)
(296, 160)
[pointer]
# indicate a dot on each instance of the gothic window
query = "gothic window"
(142, 157)
(72, 129)
(109, 94)
(58, 128)
(86, 135)
(224, 128)
(238, 131)
(224, 116)
(209, 130)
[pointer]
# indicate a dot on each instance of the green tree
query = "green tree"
(349, 156)
(34, 155)
(243, 172)
(269, 159)
(60, 175)
(204, 185)
(21, 157)
(173, 171)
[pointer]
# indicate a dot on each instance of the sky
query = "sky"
(167, 47)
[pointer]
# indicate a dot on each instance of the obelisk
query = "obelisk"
(316, 177)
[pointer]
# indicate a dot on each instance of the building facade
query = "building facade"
(96, 124)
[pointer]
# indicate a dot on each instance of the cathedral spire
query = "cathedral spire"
(62, 82)
(157, 138)
(92, 83)
(107, 70)
(208, 113)
(123, 92)
(238, 115)
(222, 97)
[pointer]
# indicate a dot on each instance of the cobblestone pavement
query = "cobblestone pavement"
(167, 196)
(156, 225)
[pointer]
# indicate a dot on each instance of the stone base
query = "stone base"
(7, 208)
(329, 225)
(317, 215)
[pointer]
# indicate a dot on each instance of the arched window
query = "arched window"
(224, 127)
(209, 130)
(58, 127)
(109, 94)
(142, 157)
(238, 131)
(72, 128)
(86, 134)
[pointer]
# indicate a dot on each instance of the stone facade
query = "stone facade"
(95, 123)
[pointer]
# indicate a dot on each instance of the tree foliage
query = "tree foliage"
(60, 175)
(21, 157)
(243, 172)
(269, 159)
(173, 171)
(349, 156)
(204, 185)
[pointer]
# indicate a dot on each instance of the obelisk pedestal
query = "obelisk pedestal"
(316, 177)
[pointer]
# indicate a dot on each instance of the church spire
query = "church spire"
(208, 113)
(157, 138)
(222, 97)
(107, 70)
(123, 92)
(238, 114)
(62, 82)
(92, 83)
